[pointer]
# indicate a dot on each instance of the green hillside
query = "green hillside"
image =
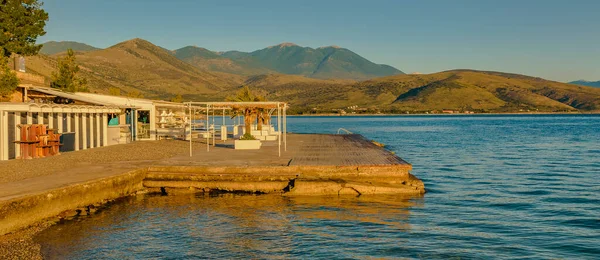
(193, 51)
(343, 63)
(457, 90)
(212, 61)
(324, 63)
(52, 47)
(140, 66)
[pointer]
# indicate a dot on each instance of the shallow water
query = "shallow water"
(498, 187)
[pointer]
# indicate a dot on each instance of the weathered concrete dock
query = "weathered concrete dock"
(313, 164)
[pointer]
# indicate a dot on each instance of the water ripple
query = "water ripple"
(510, 187)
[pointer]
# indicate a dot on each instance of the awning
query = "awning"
(73, 96)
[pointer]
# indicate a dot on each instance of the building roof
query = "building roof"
(57, 108)
(73, 96)
(129, 101)
(238, 105)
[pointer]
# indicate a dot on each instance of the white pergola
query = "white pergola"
(280, 107)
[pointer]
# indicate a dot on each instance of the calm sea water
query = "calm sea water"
(525, 187)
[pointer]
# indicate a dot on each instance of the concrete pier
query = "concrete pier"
(312, 165)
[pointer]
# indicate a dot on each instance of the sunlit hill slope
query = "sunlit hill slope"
(138, 65)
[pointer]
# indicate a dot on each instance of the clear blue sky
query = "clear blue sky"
(558, 40)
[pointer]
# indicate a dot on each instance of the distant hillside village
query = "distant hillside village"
(356, 110)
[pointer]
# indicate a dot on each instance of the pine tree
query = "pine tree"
(66, 78)
(21, 22)
(177, 99)
(8, 78)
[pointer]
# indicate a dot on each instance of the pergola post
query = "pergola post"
(279, 127)
(29, 118)
(223, 127)
(285, 127)
(17, 122)
(132, 126)
(77, 119)
(98, 130)
(59, 118)
(3, 135)
(51, 120)
(105, 129)
(91, 130)
(207, 132)
(213, 126)
(191, 120)
(69, 127)
(84, 131)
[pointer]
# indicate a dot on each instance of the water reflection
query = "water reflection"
(229, 225)
(508, 187)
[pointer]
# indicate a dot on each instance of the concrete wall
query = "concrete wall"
(18, 213)
(292, 180)
(24, 211)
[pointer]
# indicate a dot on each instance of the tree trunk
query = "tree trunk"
(259, 121)
(248, 120)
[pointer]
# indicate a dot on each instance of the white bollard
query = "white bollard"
(235, 130)
(223, 133)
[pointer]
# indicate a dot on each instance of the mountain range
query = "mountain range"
(458, 90)
(587, 83)
(330, 62)
(53, 47)
(138, 66)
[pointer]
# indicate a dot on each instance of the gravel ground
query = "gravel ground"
(15, 170)
(20, 244)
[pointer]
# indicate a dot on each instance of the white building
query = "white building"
(152, 119)
(85, 121)
(88, 120)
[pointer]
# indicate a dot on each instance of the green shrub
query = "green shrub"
(247, 136)
(8, 81)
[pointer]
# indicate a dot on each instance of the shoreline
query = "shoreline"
(21, 244)
(79, 183)
(34, 175)
(448, 114)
